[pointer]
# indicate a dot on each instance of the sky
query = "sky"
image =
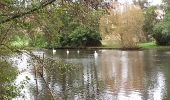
(153, 2)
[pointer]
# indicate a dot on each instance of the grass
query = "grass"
(106, 44)
(152, 45)
(148, 45)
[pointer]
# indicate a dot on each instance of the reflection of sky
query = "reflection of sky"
(117, 68)
(125, 85)
(124, 59)
(24, 71)
(131, 96)
(159, 89)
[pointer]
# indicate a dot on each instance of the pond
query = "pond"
(107, 75)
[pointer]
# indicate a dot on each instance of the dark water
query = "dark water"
(109, 75)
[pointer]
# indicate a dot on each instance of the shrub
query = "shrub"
(162, 32)
(82, 36)
(161, 35)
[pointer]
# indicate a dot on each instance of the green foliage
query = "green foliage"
(162, 34)
(148, 45)
(42, 27)
(50, 27)
(150, 21)
(19, 41)
(7, 76)
(40, 41)
(82, 36)
(61, 27)
(7, 2)
(162, 31)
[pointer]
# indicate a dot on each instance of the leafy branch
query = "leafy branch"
(42, 5)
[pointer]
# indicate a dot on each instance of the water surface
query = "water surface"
(109, 75)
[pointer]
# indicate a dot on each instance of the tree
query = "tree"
(44, 16)
(129, 28)
(13, 19)
(149, 22)
(61, 23)
(24, 20)
(124, 26)
(162, 31)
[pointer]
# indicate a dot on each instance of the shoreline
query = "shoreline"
(99, 48)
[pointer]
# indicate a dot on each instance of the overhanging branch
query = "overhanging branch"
(43, 4)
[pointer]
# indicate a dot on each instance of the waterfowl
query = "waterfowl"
(95, 54)
(67, 52)
(54, 51)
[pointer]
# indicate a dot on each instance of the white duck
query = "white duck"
(54, 51)
(78, 51)
(95, 54)
(67, 52)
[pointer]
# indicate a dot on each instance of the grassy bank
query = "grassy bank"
(147, 45)
(152, 45)
(24, 44)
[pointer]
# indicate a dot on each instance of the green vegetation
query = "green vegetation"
(162, 31)
(44, 24)
(19, 42)
(60, 28)
(152, 45)
(148, 45)
(149, 22)
(145, 45)
(7, 76)
(76, 24)
(81, 37)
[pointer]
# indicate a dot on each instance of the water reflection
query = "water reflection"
(122, 73)
(112, 75)
(23, 63)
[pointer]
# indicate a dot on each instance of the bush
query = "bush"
(82, 36)
(162, 30)
(162, 33)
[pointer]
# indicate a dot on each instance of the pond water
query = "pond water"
(107, 75)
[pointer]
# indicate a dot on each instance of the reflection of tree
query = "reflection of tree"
(135, 73)
(69, 82)
(58, 74)
(121, 73)
(165, 62)
(124, 73)
(156, 68)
